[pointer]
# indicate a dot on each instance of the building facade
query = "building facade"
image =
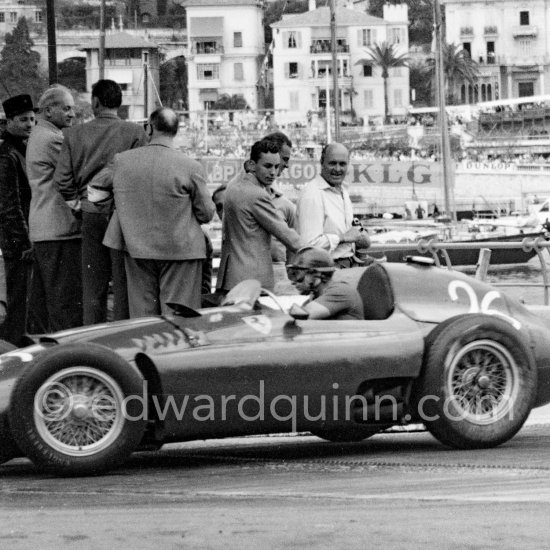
(225, 52)
(132, 62)
(12, 10)
(302, 63)
(510, 40)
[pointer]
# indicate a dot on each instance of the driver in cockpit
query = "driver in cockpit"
(311, 273)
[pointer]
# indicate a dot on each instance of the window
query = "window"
(292, 39)
(208, 105)
(294, 100)
(291, 69)
(467, 47)
(2, 17)
(526, 89)
(396, 36)
(13, 17)
(237, 39)
(398, 98)
(238, 71)
(367, 37)
(208, 72)
(38, 17)
(367, 70)
(524, 18)
(368, 99)
(526, 46)
(490, 52)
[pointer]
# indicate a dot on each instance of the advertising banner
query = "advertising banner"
(361, 173)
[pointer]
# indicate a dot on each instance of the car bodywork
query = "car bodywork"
(235, 370)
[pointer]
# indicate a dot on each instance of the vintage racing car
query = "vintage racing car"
(436, 347)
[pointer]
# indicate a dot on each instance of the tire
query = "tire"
(344, 435)
(6, 346)
(478, 382)
(68, 413)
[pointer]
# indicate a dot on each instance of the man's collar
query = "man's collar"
(47, 124)
(253, 179)
(322, 183)
(106, 114)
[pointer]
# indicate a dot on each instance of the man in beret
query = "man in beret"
(15, 198)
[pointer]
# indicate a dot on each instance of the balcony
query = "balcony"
(324, 47)
(466, 32)
(204, 49)
(524, 30)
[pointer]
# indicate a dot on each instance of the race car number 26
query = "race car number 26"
(480, 307)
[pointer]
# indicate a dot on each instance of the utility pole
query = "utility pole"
(336, 89)
(101, 57)
(52, 46)
(448, 172)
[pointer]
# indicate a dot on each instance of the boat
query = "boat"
(394, 242)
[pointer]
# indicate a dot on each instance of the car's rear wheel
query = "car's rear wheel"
(478, 383)
(70, 410)
(344, 435)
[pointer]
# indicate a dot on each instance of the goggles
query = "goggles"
(298, 274)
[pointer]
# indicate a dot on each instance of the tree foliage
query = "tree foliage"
(226, 102)
(458, 66)
(72, 73)
(173, 83)
(386, 56)
(20, 71)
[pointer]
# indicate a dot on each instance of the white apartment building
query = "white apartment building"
(132, 62)
(12, 10)
(510, 40)
(225, 51)
(302, 62)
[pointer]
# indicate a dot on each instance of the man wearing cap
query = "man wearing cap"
(312, 273)
(54, 230)
(15, 198)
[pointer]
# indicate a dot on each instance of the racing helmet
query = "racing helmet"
(310, 258)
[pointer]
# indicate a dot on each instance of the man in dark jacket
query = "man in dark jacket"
(15, 198)
(86, 150)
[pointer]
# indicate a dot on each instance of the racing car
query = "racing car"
(436, 347)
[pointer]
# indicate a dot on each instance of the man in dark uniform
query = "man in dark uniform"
(312, 273)
(15, 198)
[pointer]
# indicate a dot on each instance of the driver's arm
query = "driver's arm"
(317, 310)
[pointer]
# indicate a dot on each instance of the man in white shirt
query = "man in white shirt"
(325, 215)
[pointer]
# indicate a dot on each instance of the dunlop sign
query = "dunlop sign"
(360, 173)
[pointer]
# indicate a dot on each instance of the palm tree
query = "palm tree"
(458, 67)
(386, 56)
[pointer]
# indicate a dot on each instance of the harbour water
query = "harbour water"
(512, 275)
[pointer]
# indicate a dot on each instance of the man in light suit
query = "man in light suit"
(53, 229)
(250, 219)
(161, 200)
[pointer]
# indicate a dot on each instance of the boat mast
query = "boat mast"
(448, 172)
(334, 72)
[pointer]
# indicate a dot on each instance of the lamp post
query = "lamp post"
(334, 72)
(52, 46)
(101, 56)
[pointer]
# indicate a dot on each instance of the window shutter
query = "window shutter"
(285, 39)
(359, 37)
(287, 70)
(298, 39)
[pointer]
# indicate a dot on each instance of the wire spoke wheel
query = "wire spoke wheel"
(78, 411)
(481, 380)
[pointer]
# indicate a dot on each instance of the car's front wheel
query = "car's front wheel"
(478, 383)
(76, 410)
